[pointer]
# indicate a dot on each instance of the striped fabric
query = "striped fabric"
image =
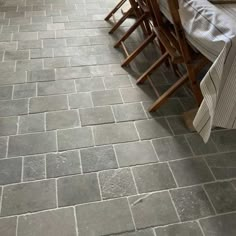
(211, 29)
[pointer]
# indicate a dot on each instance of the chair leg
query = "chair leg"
(122, 19)
(130, 31)
(153, 67)
(138, 50)
(164, 97)
(115, 9)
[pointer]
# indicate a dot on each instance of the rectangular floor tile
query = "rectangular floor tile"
(191, 171)
(118, 81)
(115, 133)
(26, 90)
(191, 203)
(8, 126)
(98, 158)
(116, 183)
(49, 223)
(219, 225)
(62, 164)
(72, 73)
(129, 112)
(8, 78)
(107, 97)
(95, 219)
(135, 153)
(3, 146)
(153, 210)
(80, 100)
(97, 115)
(8, 226)
(153, 177)
(29, 144)
(223, 165)
(74, 138)
(62, 120)
(222, 195)
(34, 168)
(31, 123)
(56, 87)
(154, 128)
(49, 103)
(87, 84)
(28, 197)
(183, 229)
(41, 75)
(10, 170)
(172, 148)
(78, 189)
(6, 92)
(13, 107)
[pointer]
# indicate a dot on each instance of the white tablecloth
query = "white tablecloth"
(212, 30)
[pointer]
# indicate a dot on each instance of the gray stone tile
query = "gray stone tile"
(143, 93)
(34, 168)
(129, 112)
(97, 115)
(6, 37)
(13, 107)
(107, 97)
(222, 195)
(29, 144)
(74, 138)
(154, 128)
(145, 232)
(118, 81)
(87, 85)
(8, 125)
(95, 219)
(116, 183)
(31, 123)
(3, 146)
(62, 120)
(78, 189)
(172, 148)
(29, 65)
(98, 158)
(80, 100)
(191, 171)
(136, 153)
(223, 165)
(177, 125)
(42, 75)
(50, 63)
(47, 35)
(171, 107)
(30, 44)
(153, 210)
(41, 19)
(41, 53)
(49, 103)
(32, 28)
(60, 19)
(115, 133)
(153, 177)
(72, 73)
(16, 55)
(7, 66)
(54, 43)
(61, 164)
(26, 90)
(10, 170)
(66, 52)
(183, 229)
(225, 140)
(219, 225)
(49, 223)
(22, 36)
(56, 87)
(28, 197)
(83, 61)
(191, 203)
(199, 147)
(12, 77)
(8, 226)
(5, 92)
(9, 46)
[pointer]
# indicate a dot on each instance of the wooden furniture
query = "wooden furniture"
(175, 46)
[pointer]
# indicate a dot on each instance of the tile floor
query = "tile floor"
(80, 155)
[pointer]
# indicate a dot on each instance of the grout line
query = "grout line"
(174, 206)
(22, 169)
(200, 226)
(131, 213)
(18, 125)
(56, 193)
(113, 146)
(99, 186)
(45, 167)
(209, 199)
(173, 175)
(17, 224)
(76, 222)
(135, 184)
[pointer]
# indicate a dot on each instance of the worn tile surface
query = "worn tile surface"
(79, 152)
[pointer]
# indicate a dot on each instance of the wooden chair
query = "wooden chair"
(176, 48)
(143, 11)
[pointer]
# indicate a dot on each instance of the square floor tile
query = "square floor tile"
(8, 226)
